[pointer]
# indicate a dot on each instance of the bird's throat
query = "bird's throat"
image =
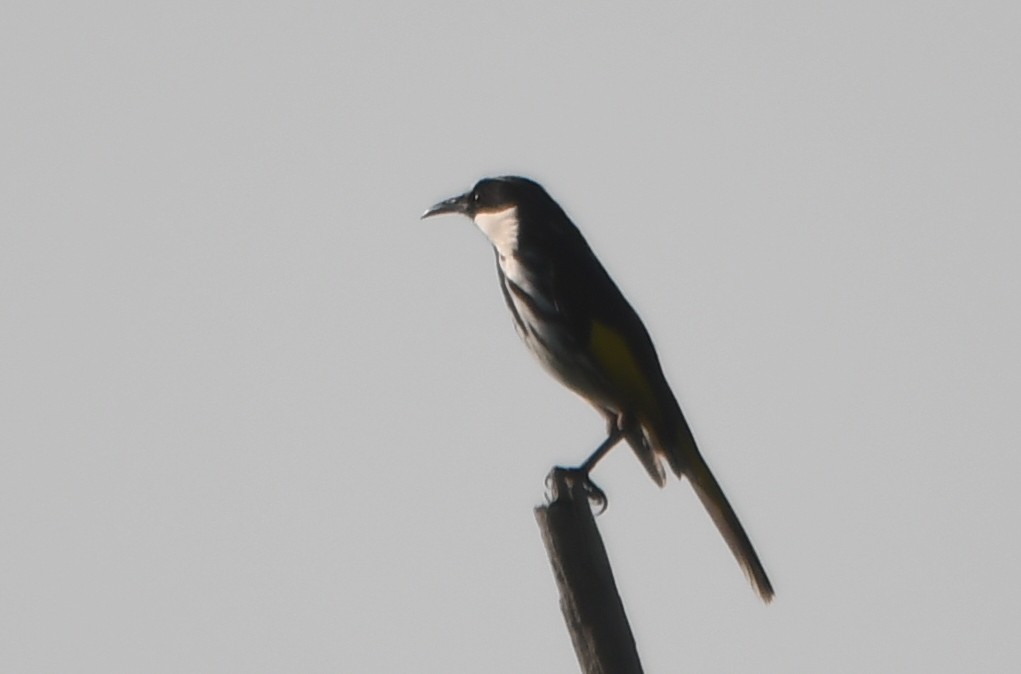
(501, 228)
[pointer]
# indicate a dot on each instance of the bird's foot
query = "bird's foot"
(576, 476)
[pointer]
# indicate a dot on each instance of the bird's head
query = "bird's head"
(497, 205)
(489, 196)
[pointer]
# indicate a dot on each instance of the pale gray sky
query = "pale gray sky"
(256, 417)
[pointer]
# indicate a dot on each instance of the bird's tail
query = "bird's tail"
(723, 515)
(686, 461)
(675, 442)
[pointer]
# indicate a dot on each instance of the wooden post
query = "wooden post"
(589, 600)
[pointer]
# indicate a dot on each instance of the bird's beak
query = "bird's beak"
(453, 205)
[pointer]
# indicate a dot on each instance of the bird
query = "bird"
(578, 324)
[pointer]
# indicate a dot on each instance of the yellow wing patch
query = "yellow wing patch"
(618, 363)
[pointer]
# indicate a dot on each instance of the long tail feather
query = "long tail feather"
(723, 515)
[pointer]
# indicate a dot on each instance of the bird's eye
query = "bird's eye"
(477, 197)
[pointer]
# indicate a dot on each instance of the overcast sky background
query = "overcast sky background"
(256, 417)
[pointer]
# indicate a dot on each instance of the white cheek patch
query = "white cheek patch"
(501, 228)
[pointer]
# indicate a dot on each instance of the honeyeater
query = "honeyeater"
(576, 322)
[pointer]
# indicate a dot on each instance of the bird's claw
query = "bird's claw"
(572, 476)
(595, 495)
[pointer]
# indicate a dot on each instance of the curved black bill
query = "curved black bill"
(457, 204)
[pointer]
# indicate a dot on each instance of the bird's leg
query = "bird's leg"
(595, 494)
(616, 432)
